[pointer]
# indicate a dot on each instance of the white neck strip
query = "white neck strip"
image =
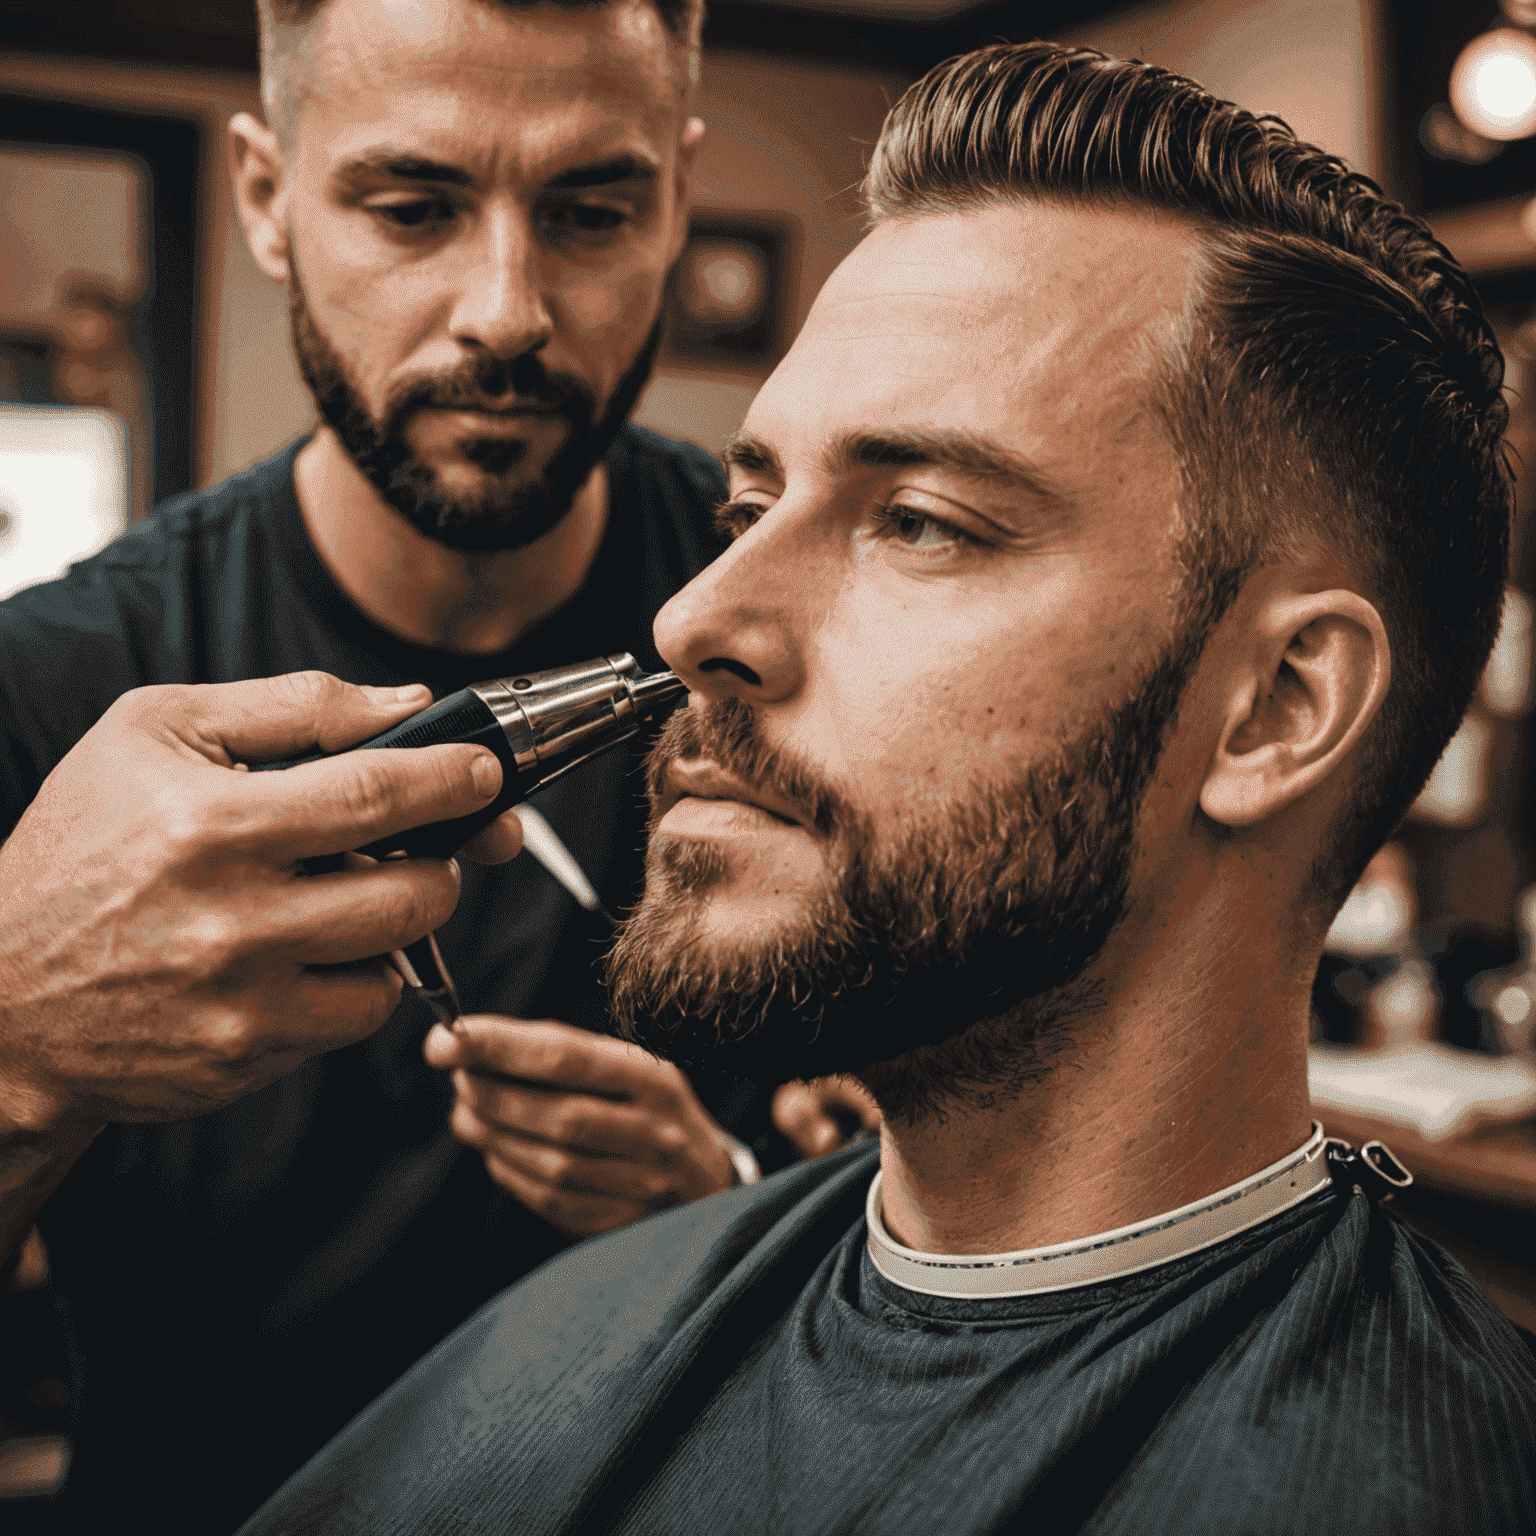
(1107, 1255)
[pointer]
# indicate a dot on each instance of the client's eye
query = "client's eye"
(920, 530)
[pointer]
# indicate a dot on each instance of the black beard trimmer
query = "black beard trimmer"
(540, 725)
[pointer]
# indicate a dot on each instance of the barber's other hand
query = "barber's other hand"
(588, 1132)
(824, 1114)
(158, 938)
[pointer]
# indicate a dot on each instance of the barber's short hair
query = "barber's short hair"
(1338, 378)
(285, 24)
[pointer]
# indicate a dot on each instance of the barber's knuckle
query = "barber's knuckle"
(551, 1063)
(452, 779)
(305, 690)
(206, 945)
(229, 1037)
(407, 904)
(563, 1059)
(183, 825)
(154, 701)
(413, 904)
(571, 1124)
(369, 794)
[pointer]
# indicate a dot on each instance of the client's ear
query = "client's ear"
(1321, 667)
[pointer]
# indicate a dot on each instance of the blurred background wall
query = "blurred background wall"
(1316, 63)
(793, 98)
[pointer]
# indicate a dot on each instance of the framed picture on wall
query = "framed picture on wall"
(98, 287)
(729, 299)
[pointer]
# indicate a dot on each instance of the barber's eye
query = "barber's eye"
(424, 213)
(586, 218)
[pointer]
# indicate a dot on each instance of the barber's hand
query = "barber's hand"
(589, 1132)
(824, 1114)
(161, 951)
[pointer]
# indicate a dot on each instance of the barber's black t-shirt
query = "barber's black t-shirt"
(239, 1285)
(739, 1368)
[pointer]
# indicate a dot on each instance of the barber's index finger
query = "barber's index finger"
(354, 798)
(556, 1058)
(288, 715)
(543, 1085)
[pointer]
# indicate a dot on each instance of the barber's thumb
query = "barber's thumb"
(442, 1048)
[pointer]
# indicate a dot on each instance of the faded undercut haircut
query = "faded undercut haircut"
(287, 27)
(1337, 379)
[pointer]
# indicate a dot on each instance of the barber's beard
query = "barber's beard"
(512, 507)
(947, 966)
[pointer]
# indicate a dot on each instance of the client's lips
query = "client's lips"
(701, 779)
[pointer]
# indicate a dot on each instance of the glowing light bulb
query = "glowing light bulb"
(1493, 86)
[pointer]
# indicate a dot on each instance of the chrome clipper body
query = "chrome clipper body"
(540, 725)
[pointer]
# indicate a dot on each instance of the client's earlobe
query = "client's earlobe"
(1321, 672)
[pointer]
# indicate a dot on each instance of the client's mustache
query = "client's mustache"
(495, 384)
(727, 733)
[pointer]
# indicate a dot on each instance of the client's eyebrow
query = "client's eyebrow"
(972, 453)
(751, 454)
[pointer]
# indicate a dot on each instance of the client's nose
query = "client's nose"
(730, 631)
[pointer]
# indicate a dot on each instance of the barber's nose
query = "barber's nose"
(732, 631)
(501, 306)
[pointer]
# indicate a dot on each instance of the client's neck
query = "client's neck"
(469, 602)
(1190, 1077)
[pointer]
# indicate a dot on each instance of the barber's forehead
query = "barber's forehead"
(417, 52)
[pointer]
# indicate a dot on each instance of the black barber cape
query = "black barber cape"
(238, 1286)
(739, 1368)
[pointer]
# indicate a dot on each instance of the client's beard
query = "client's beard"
(946, 966)
(510, 511)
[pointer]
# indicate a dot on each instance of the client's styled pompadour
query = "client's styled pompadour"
(1338, 380)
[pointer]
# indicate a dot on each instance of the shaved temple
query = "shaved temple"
(290, 30)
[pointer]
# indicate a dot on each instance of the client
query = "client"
(1114, 554)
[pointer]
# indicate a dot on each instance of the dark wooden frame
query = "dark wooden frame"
(760, 344)
(170, 149)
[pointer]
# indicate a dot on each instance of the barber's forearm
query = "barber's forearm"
(33, 1162)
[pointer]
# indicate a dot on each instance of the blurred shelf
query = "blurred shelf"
(1495, 237)
(1497, 1164)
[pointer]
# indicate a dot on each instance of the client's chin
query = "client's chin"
(713, 971)
(756, 987)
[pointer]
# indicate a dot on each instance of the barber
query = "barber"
(473, 207)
